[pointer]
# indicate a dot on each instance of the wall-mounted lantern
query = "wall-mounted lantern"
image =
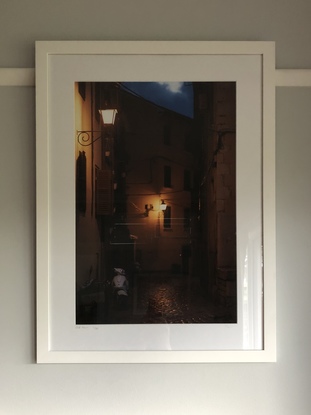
(86, 137)
(108, 115)
(163, 205)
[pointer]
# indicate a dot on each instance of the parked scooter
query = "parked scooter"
(120, 287)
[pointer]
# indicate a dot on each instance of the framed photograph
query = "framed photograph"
(155, 202)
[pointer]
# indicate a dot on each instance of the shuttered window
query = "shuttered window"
(167, 223)
(167, 176)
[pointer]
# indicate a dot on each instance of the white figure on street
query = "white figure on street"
(120, 281)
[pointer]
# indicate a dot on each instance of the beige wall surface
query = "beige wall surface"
(280, 388)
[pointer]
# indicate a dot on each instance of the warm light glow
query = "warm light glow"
(162, 205)
(108, 115)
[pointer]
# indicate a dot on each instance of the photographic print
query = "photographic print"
(155, 202)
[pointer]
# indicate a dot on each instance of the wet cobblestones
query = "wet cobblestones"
(168, 299)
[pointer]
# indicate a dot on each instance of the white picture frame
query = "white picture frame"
(252, 66)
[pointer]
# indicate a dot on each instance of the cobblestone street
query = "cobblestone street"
(168, 299)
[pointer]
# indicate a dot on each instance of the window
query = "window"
(187, 180)
(81, 182)
(167, 176)
(167, 224)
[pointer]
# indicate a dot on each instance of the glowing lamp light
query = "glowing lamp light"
(163, 205)
(86, 138)
(108, 116)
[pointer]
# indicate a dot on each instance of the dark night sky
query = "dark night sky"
(176, 96)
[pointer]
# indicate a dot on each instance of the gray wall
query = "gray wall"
(281, 388)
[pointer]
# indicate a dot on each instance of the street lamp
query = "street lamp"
(163, 205)
(85, 137)
(108, 116)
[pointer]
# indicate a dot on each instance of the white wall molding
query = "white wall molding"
(17, 77)
(283, 77)
(293, 77)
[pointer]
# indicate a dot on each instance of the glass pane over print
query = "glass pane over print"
(156, 203)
